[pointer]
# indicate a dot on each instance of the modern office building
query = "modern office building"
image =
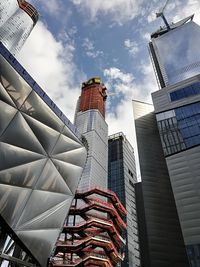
(121, 180)
(41, 162)
(17, 19)
(160, 236)
(176, 58)
(90, 122)
(177, 109)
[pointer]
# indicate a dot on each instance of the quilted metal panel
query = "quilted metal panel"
(41, 160)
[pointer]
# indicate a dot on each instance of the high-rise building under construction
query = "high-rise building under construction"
(17, 19)
(90, 121)
(92, 235)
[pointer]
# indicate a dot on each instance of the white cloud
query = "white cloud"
(123, 121)
(50, 63)
(94, 54)
(119, 83)
(146, 36)
(147, 82)
(52, 6)
(120, 119)
(90, 51)
(124, 85)
(116, 74)
(119, 11)
(151, 17)
(87, 44)
(191, 7)
(131, 46)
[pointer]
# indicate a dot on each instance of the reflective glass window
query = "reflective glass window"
(181, 131)
(193, 252)
(190, 90)
(188, 119)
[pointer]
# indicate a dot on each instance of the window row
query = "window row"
(193, 89)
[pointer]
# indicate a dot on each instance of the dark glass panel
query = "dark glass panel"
(190, 90)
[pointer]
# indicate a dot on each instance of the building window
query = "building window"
(170, 135)
(193, 252)
(193, 89)
(181, 130)
(188, 118)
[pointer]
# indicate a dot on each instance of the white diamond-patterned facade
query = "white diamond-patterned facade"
(41, 160)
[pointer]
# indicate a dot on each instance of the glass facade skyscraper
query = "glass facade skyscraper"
(178, 124)
(176, 57)
(168, 48)
(121, 180)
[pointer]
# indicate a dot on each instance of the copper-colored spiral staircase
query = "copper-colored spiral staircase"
(93, 238)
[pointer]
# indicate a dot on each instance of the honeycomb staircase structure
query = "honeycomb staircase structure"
(92, 233)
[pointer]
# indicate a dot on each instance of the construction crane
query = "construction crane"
(161, 14)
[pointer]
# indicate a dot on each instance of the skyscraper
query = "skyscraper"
(90, 122)
(177, 108)
(160, 236)
(17, 19)
(175, 57)
(175, 54)
(121, 180)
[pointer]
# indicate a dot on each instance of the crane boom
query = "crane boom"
(165, 5)
(161, 14)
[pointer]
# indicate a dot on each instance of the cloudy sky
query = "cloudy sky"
(78, 39)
